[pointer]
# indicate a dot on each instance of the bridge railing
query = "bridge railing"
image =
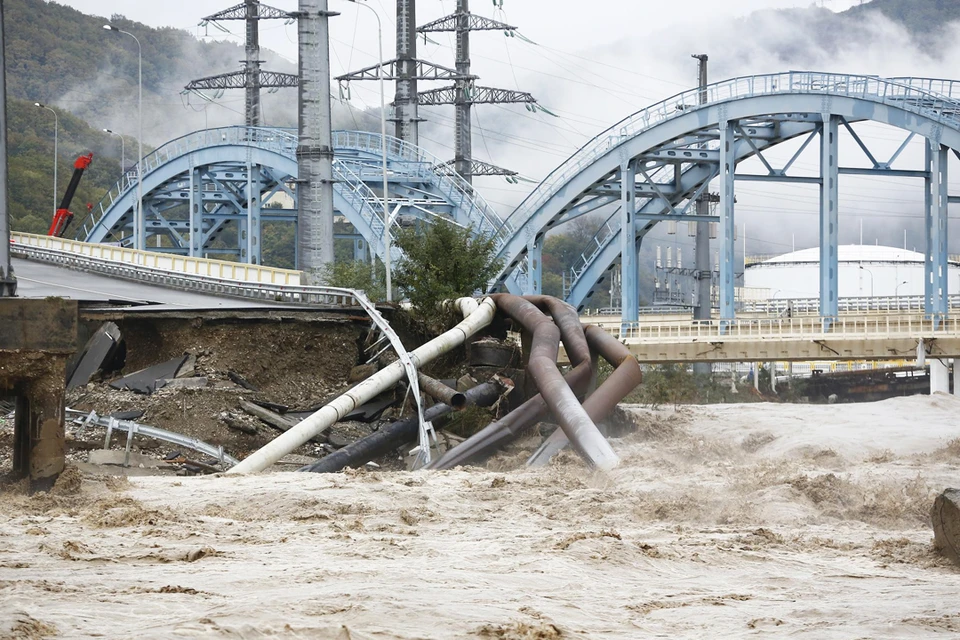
(220, 269)
(265, 291)
(481, 215)
(803, 328)
(910, 96)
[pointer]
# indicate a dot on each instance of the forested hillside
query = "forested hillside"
(921, 17)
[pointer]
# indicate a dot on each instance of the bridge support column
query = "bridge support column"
(939, 376)
(534, 284)
(253, 214)
(196, 213)
(359, 249)
(629, 276)
(728, 164)
(829, 220)
(935, 303)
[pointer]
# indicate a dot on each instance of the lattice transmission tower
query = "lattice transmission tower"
(252, 78)
(407, 70)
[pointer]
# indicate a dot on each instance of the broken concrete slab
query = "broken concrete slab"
(146, 380)
(189, 367)
(183, 383)
(100, 349)
(946, 524)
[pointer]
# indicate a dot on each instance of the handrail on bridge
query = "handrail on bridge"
(798, 328)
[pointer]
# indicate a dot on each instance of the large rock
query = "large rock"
(946, 524)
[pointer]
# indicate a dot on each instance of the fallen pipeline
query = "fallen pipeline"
(559, 395)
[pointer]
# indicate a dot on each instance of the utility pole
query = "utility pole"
(315, 147)
(464, 93)
(8, 282)
(252, 78)
(702, 310)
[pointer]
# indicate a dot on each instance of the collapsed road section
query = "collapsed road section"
(542, 322)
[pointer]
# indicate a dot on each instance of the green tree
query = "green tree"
(441, 262)
(356, 274)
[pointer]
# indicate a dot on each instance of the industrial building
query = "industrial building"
(864, 271)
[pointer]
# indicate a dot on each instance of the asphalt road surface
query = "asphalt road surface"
(40, 280)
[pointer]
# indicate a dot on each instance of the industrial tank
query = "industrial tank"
(865, 270)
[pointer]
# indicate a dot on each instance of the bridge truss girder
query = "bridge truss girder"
(753, 124)
(191, 200)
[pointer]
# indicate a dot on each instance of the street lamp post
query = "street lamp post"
(862, 268)
(123, 155)
(56, 156)
(138, 219)
(896, 293)
(383, 148)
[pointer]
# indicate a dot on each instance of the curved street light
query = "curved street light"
(56, 156)
(387, 218)
(138, 219)
(123, 156)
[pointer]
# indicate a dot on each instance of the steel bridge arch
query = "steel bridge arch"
(175, 174)
(677, 143)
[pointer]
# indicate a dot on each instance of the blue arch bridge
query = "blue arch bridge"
(649, 168)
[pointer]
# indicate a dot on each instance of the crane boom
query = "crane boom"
(62, 218)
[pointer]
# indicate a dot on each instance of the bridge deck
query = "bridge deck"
(869, 337)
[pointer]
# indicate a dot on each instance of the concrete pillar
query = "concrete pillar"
(36, 340)
(405, 101)
(829, 220)
(756, 376)
(773, 377)
(315, 147)
(939, 376)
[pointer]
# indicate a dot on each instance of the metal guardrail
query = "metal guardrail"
(808, 328)
(268, 292)
(132, 429)
(220, 269)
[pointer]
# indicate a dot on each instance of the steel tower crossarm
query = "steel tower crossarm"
(236, 80)
(239, 12)
(454, 22)
(474, 95)
(423, 70)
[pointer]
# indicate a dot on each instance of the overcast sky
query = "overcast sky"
(597, 61)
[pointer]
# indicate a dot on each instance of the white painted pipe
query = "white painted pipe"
(476, 316)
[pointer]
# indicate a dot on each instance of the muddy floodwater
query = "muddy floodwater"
(725, 521)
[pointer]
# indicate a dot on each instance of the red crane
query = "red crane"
(62, 218)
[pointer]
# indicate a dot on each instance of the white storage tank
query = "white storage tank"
(865, 271)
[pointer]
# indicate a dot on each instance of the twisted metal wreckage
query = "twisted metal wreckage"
(544, 322)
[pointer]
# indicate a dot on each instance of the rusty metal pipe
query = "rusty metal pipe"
(441, 392)
(624, 379)
(498, 434)
(563, 402)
